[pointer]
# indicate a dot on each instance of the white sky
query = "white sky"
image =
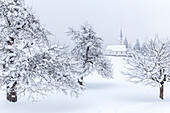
(138, 18)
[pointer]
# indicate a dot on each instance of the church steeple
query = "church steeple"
(121, 37)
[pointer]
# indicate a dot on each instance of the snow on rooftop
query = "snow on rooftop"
(116, 47)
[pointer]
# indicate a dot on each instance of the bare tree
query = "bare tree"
(151, 64)
(88, 53)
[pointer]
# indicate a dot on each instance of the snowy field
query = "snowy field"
(101, 96)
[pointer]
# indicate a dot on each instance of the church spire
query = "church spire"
(121, 37)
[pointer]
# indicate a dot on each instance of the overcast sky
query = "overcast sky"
(138, 18)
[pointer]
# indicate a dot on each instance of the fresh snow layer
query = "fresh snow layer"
(101, 96)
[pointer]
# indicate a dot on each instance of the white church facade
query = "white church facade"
(117, 50)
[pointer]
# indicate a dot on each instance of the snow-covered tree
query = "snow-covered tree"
(126, 42)
(88, 53)
(53, 69)
(28, 64)
(137, 45)
(151, 64)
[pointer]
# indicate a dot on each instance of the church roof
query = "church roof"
(116, 47)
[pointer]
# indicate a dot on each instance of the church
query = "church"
(117, 50)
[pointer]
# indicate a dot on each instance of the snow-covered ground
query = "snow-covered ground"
(101, 96)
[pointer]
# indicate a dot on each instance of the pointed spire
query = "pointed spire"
(121, 37)
(121, 34)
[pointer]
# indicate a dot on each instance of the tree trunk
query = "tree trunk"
(80, 81)
(12, 93)
(161, 91)
(12, 96)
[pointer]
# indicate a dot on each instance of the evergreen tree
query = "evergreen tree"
(137, 45)
(126, 43)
